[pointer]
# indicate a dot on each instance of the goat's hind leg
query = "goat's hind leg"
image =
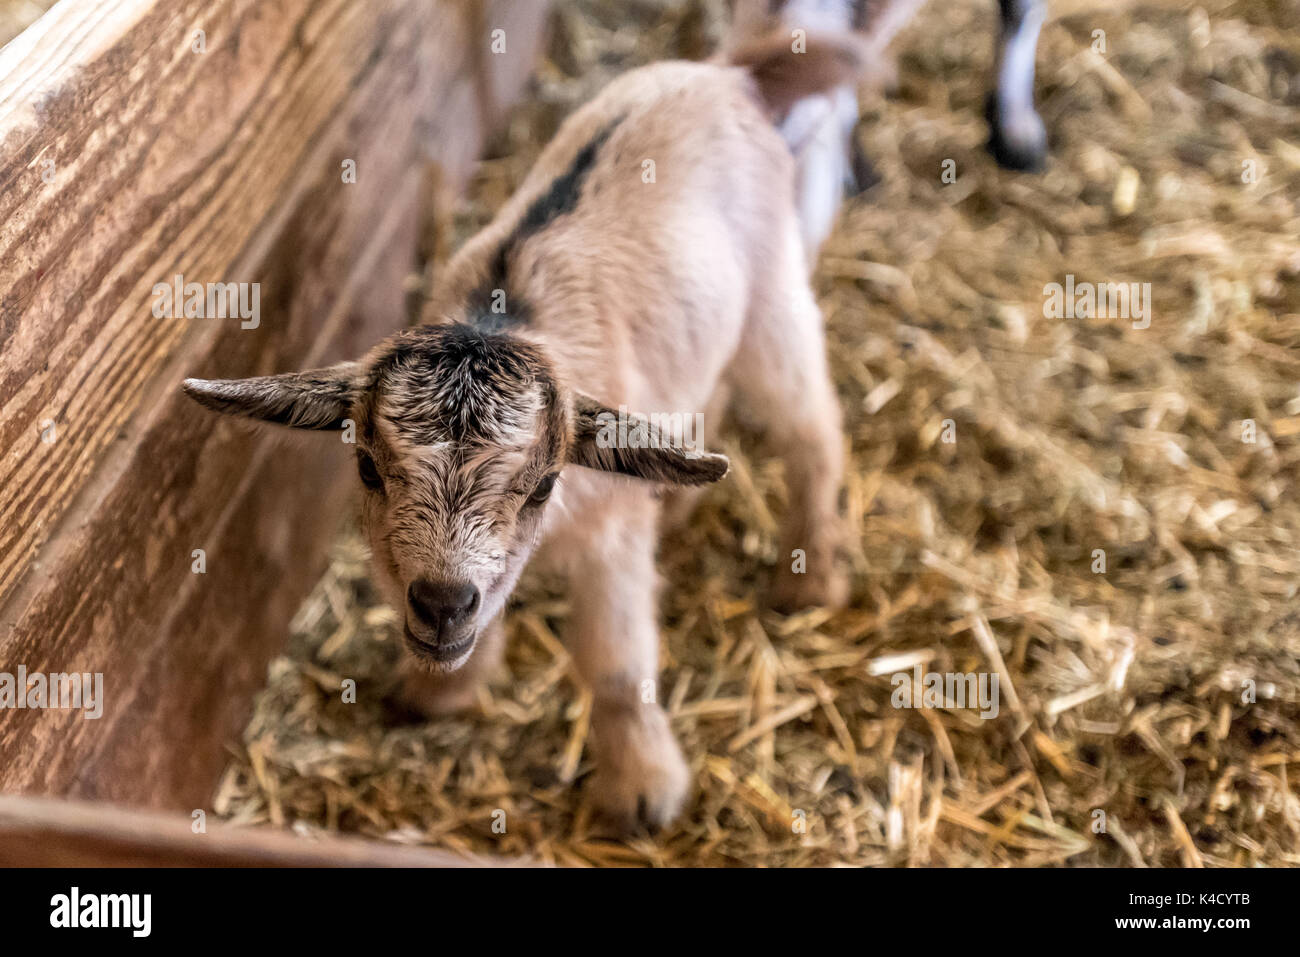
(783, 386)
(1017, 138)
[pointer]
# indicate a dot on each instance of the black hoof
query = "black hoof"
(1017, 143)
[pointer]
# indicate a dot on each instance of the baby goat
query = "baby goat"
(650, 261)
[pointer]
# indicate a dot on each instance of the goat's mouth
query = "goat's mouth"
(443, 655)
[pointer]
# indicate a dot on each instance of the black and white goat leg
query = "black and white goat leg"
(1017, 138)
(819, 131)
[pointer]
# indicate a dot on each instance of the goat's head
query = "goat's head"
(461, 437)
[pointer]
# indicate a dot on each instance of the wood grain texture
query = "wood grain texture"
(44, 832)
(223, 166)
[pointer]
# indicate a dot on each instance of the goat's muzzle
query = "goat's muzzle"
(440, 620)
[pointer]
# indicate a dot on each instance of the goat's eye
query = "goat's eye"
(543, 490)
(370, 476)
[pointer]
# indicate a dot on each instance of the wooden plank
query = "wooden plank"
(223, 166)
(17, 15)
(44, 832)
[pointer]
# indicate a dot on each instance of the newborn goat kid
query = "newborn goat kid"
(598, 286)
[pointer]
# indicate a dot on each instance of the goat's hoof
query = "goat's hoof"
(643, 789)
(792, 592)
(1017, 141)
(628, 807)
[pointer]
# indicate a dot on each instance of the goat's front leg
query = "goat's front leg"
(641, 779)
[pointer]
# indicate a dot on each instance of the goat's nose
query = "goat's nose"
(442, 604)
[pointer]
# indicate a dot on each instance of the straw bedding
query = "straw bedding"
(1149, 713)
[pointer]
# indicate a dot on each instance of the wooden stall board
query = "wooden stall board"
(146, 139)
(59, 833)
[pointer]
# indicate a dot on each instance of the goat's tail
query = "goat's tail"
(789, 66)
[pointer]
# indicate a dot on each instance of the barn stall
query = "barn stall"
(1150, 701)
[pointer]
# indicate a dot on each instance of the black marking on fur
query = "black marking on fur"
(560, 198)
(565, 190)
(482, 309)
(493, 323)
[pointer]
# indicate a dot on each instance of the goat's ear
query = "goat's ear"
(318, 399)
(599, 443)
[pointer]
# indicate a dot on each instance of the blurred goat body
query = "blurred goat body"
(819, 128)
(650, 261)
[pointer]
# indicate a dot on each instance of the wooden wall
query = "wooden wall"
(47, 832)
(128, 157)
